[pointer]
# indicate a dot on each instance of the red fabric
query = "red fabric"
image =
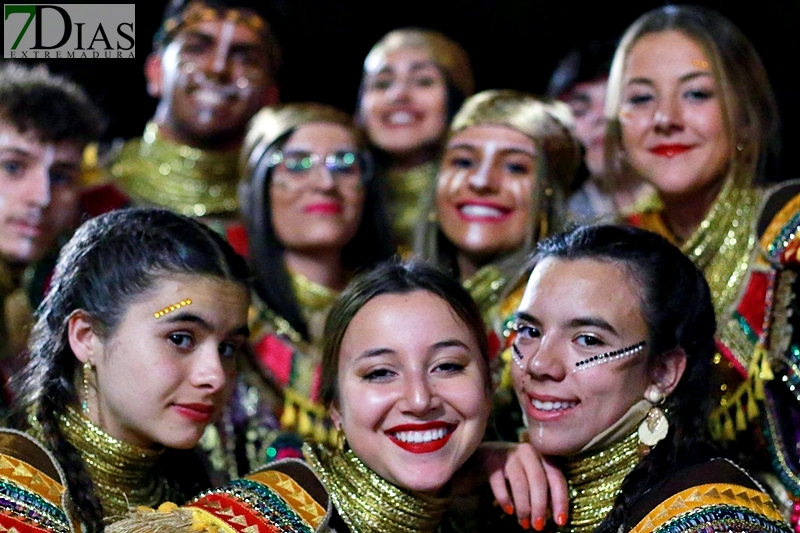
(236, 234)
(752, 304)
(95, 201)
(7, 521)
(275, 356)
(230, 507)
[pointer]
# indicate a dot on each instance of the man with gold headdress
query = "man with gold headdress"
(213, 66)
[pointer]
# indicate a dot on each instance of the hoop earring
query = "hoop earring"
(87, 369)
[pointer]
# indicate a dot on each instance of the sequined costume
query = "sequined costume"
(157, 172)
(746, 247)
(284, 368)
(333, 491)
(32, 494)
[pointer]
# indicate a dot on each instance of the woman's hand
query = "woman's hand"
(525, 482)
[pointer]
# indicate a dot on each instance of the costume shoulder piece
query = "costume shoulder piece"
(32, 494)
(286, 497)
(714, 507)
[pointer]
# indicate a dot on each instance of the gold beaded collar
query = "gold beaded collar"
(311, 296)
(123, 475)
(187, 180)
(368, 503)
(406, 191)
(485, 287)
(595, 480)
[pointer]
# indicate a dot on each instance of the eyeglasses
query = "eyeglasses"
(343, 164)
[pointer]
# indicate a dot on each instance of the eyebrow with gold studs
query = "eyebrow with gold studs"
(171, 308)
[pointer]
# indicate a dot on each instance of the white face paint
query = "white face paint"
(224, 45)
(480, 178)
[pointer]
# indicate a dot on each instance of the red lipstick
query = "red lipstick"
(441, 433)
(482, 211)
(670, 150)
(196, 412)
(323, 208)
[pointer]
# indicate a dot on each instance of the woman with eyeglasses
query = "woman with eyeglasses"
(612, 354)
(313, 219)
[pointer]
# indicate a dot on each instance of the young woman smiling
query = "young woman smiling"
(131, 357)
(615, 387)
(313, 218)
(406, 379)
(414, 80)
(690, 109)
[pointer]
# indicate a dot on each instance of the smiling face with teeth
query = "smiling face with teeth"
(413, 389)
(210, 80)
(404, 104)
(484, 192)
(572, 310)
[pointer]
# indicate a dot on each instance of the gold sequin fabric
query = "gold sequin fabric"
(485, 287)
(406, 190)
(189, 181)
(368, 503)
(123, 475)
(595, 480)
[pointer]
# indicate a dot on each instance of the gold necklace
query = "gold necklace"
(595, 480)
(722, 246)
(367, 502)
(406, 194)
(187, 180)
(123, 475)
(485, 287)
(310, 294)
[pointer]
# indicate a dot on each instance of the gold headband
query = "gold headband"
(446, 53)
(171, 308)
(548, 123)
(196, 12)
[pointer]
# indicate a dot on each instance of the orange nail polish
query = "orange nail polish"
(509, 509)
(561, 519)
(538, 524)
(525, 523)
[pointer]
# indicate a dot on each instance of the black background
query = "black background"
(512, 43)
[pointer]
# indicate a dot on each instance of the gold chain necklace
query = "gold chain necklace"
(722, 246)
(595, 480)
(367, 502)
(123, 475)
(187, 180)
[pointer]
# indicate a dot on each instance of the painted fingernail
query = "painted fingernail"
(525, 523)
(561, 519)
(509, 509)
(538, 524)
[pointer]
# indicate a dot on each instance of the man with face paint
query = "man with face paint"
(212, 68)
(45, 124)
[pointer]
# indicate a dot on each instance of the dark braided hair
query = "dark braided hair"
(676, 306)
(109, 261)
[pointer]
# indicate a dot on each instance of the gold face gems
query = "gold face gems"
(701, 63)
(171, 308)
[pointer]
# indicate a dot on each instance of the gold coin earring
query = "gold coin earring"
(655, 426)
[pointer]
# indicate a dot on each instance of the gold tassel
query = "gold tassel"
(727, 427)
(758, 388)
(752, 407)
(741, 422)
(304, 425)
(289, 416)
(320, 433)
(766, 370)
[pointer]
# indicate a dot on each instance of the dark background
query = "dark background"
(513, 44)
